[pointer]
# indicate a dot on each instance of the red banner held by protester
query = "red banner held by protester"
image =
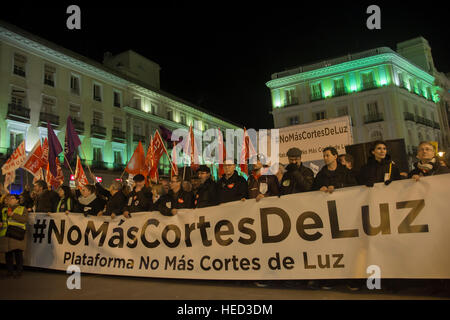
(80, 176)
(34, 161)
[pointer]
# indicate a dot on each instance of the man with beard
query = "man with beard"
(297, 177)
(206, 194)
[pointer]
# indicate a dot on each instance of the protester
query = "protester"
(26, 200)
(346, 160)
(261, 183)
(180, 199)
(88, 201)
(13, 238)
(231, 187)
(66, 203)
(195, 182)
(379, 167)
(44, 201)
(428, 164)
(161, 200)
(333, 175)
(165, 181)
(279, 174)
(206, 194)
(140, 198)
(115, 199)
(297, 177)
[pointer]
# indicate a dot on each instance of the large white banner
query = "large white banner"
(403, 228)
(312, 137)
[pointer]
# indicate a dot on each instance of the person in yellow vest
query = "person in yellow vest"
(14, 217)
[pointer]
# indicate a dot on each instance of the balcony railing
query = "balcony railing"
(99, 165)
(316, 96)
(78, 125)
(291, 102)
(45, 117)
(375, 117)
(98, 131)
(116, 104)
(118, 166)
(96, 98)
(337, 92)
(424, 121)
(409, 116)
(138, 137)
(436, 125)
(118, 135)
(19, 72)
(18, 113)
(369, 85)
(49, 82)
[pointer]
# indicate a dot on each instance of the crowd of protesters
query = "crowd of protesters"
(170, 195)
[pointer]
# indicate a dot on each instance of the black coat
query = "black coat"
(163, 205)
(46, 202)
(206, 195)
(92, 208)
(232, 189)
(296, 179)
(375, 171)
(339, 178)
(66, 204)
(139, 201)
(114, 203)
(273, 188)
(437, 169)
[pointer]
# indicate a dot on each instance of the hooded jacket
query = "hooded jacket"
(375, 171)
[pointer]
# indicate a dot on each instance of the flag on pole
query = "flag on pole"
(39, 175)
(53, 181)
(44, 159)
(71, 143)
(157, 151)
(54, 149)
(247, 151)
(136, 165)
(80, 176)
(34, 161)
(16, 159)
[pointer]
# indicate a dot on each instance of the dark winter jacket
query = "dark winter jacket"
(92, 208)
(114, 203)
(46, 201)
(375, 171)
(66, 204)
(271, 181)
(206, 195)
(232, 189)
(163, 205)
(437, 169)
(139, 201)
(296, 179)
(341, 177)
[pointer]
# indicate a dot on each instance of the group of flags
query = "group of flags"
(45, 157)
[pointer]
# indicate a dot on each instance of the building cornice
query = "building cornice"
(350, 66)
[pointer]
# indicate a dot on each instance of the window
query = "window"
(342, 111)
(376, 135)
(97, 92)
(319, 115)
(197, 124)
(98, 119)
(117, 99)
(97, 154)
(75, 111)
(205, 126)
(411, 85)
(183, 118)
(117, 157)
(49, 75)
(339, 87)
(170, 115)
(18, 97)
(15, 139)
(75, 85)
(290, 97)
(117, 123)
(137, 129)
(367, 77)
(316, 91)
(48, 105)
(293, 120)
(19, 64)
(400, 80)
(372, 108)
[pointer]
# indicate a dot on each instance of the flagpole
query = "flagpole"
(85, 158)
(68, 164)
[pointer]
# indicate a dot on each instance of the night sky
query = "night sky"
(219, 55)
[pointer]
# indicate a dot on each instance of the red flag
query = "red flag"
(222, 154)
(136, 165)
(173, 161)
(39, 175)
(157, 148)
(44, 159)
(55, 182)
(80, 176)
(149, 156)
(247, 151)
(16, 159)
(34, 161)
(192, 150)
(9, 178)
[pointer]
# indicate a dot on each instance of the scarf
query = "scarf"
(86, 200)
(425, 167)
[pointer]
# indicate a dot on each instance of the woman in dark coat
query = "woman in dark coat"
(379, 167)
(66, 201)
(88, 202)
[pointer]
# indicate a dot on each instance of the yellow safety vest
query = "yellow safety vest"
(8, 221)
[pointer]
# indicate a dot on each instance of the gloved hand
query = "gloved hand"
(369, 184)
(387, 182)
